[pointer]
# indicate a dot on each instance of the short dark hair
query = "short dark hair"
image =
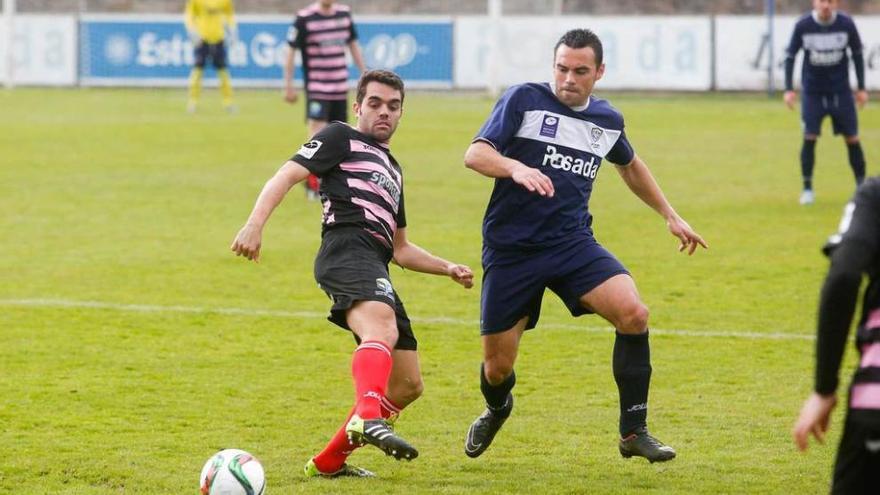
(385, 77)
(581, 38)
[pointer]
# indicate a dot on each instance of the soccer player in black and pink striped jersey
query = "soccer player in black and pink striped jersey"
(321, 32)
(854, 252)
(364, 228)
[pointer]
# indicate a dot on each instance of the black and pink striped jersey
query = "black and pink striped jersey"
(361, 183)
(322, 38)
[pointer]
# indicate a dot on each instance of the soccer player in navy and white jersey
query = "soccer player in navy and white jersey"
(854, 252)
(364, 227)
(825, 34)
(544, 144)
(321, 32)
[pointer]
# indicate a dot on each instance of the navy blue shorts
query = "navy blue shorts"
(327, 110)
(215, 51)
(514, 281)
(841, 107)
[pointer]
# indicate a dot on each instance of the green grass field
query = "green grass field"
(133, 344)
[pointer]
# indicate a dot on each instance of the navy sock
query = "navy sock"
(496, 395)
(856, 161)
(632, 372)
(808, 161)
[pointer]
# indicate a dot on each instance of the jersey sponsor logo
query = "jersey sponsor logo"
(567, 163)
(826, 48)
(309, 149)
(549, 126)
(387, 184)
(384, 288)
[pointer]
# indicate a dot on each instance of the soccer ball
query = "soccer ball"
(232, 472)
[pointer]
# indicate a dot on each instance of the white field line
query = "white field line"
(149, 308)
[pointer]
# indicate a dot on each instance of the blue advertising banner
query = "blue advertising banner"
(155, 50)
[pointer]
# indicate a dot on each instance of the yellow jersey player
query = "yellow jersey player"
(206, 22)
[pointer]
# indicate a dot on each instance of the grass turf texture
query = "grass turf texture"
(120, 197)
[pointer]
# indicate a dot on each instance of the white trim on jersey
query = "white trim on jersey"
(582, 135)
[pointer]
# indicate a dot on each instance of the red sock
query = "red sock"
(337, 451)
(371, 367)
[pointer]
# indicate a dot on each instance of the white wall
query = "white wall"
(44, 50)
(640, 52)
(742, 57)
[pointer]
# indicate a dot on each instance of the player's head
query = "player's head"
(379, 103)
(577, 65)
(825, 8)
(327, 3)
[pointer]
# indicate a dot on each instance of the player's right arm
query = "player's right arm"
(189, 20)
(794, 46)
(483, 158)
(248, 241)
(295, 40)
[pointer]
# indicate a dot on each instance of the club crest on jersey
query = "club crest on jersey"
(596, 133)
(383, 288)
(309, 149)
(549, 126)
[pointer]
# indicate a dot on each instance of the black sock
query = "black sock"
(632, 372)
(856, 161)
(808, 160)
(496, 395)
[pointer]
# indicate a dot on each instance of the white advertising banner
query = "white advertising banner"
(651, 52)
(44, 49)
(742, 52)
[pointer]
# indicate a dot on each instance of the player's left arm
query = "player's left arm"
(641, 182)
(413, 257)
(231, 23)
(355, 48)
(858, 58)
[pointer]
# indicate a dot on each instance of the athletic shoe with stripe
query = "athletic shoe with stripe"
(484, 428)
(640, 443)
(312, 471)
(378, 433)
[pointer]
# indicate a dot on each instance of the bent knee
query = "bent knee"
(634, 319)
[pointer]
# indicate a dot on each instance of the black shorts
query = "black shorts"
(857, 468)
(327, 110)
(351, 266)
(215, 51)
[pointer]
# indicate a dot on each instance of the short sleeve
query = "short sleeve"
(860, 222)
(401, 211)
(352, 30)
(296, 34)
(622, 152)
(327, 149)
(504, 121)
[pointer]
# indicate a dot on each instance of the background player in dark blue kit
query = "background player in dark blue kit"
(854, 251)
(544, 144)
(825, 34)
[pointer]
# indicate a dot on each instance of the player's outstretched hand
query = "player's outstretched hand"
(533, 180)
(813, 419)
(248, 241)
(789, 97)
(461, 274)
(688, 237)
